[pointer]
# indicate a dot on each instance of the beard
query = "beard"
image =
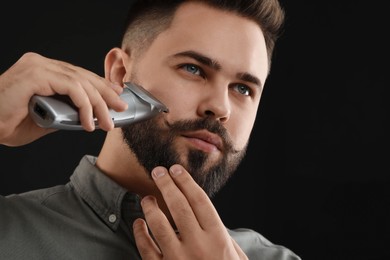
(153, 145)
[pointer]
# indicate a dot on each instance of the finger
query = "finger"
(181, 211)
(91, 94)
(101, 83)
(200, 203)
(145, 244)
(106, 99)
(99, 107)
(108, 90)
(101, 99)
(72, 87)
(102, 95)
(159, 225)
(112, 98)
(238, 249)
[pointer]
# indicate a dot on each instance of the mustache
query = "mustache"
(208, 124)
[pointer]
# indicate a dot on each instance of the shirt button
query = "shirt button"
(112, 218)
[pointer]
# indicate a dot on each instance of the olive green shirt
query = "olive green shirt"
(89, 218)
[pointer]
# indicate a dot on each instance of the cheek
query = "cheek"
(181, 105)
(240, 128)
(182, 100)
(175, 93)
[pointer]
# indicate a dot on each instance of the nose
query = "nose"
(215, 104)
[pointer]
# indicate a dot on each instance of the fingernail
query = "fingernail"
(116, 86)
(92, 124)
(176, 170)
(146, 199)
(137, 222)
(157, 173)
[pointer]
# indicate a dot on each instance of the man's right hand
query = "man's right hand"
(34, 74)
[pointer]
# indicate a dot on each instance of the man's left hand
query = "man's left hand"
(202, 235)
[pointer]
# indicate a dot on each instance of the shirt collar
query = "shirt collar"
(100, 192)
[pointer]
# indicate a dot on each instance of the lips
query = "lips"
(206, 137)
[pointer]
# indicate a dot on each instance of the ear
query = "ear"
(116, 66)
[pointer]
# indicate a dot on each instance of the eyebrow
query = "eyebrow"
(249, 78)
(217, 66)
(201, 59)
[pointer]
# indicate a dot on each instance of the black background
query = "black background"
(316, 178)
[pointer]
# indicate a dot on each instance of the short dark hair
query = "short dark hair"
(148, 18)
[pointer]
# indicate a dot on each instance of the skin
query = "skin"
(190, 95)
(171, 199)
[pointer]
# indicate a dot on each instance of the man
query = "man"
(146, 195)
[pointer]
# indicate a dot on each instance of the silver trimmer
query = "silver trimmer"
(59, 112)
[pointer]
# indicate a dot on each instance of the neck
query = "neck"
(119, 163)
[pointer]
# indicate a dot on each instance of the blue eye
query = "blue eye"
(193, 69)
(243, 89)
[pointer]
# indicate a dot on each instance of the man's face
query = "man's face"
(208, 68)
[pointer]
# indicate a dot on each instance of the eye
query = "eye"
(193, 69)
(243, 89)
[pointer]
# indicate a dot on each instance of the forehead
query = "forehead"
(234, 41)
